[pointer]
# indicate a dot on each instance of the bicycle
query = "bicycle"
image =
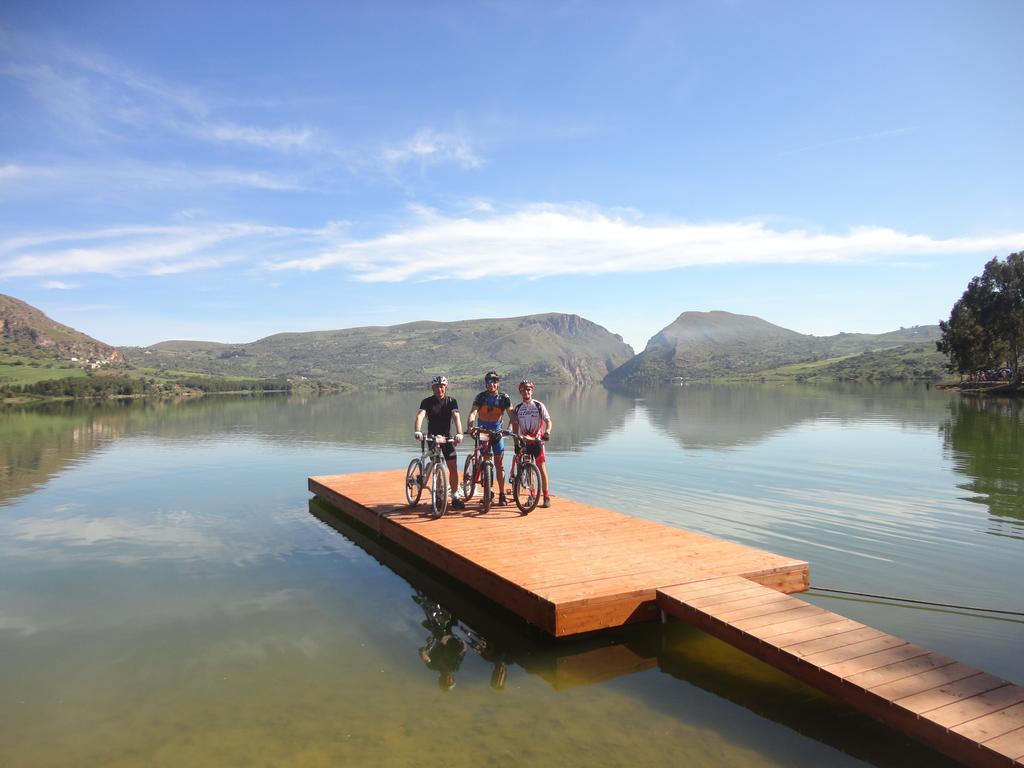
(429, 471)
(525, 475)
(479, 468)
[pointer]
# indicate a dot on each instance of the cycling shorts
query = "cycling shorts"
(497, 446)
(536, 450)
(448, 450)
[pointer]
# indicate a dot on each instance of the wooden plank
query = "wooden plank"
(900, 689)
(927, 691)
(846, 669)
(779, 633)
(835, 640)
(974, 707)
(853, 650)
(753, 607)
(915, 665)
(1010, 744)
(992, 725)
(786, 615)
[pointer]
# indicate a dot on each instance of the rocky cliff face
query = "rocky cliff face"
(24, 330)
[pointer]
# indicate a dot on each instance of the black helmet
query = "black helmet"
(491, 376)
(439, 381)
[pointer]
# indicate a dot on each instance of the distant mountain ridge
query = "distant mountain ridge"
(710, 345)
(25, 330)
(553, 347)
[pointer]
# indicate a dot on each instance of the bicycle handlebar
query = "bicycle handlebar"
(475, 431)
(439, 439)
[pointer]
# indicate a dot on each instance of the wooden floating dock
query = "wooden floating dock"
(574, 568)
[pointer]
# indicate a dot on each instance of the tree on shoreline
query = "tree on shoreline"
(986, 325)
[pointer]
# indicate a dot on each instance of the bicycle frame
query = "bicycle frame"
(434, 456)
(429, 472)
(480, 468)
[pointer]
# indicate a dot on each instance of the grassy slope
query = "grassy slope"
(910, 362)
(31, 374)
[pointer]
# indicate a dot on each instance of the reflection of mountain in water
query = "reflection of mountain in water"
(37, 442)
(726, 416)
(985, 437)
(687, 654)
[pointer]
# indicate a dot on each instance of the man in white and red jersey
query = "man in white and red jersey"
(531, 417)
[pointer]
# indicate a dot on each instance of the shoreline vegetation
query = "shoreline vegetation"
(111, 386)
(983, 388)
(41, 360)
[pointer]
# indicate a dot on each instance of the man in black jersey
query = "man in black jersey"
(440, 410)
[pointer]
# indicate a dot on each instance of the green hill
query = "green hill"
(554, 348)
(722, 345)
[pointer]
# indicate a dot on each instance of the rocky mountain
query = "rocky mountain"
(27, 332)
(706, 345)
(554, 348)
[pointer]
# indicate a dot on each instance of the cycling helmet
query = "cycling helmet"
(439, 381)
(491, 376)
(525, 383)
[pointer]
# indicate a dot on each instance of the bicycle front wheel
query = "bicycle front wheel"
(414, 482)
(438, 490)
(486, 486)
(526, 489)
(469, 477)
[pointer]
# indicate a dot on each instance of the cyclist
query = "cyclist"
(440, 410)
(531, 417)
(488, 409)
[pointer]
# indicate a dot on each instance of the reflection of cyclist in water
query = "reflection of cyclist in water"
(444, 650)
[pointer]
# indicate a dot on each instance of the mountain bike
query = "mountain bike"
(479, 468)
(429, 471)
(525, 475)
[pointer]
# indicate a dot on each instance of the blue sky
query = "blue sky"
(226, 171)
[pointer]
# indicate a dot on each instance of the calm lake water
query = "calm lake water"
(170, 595)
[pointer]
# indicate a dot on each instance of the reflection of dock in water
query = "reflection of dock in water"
(574, 568)
(585, 661)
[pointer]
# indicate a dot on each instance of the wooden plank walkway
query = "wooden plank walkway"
(963, 712)
(575, 568)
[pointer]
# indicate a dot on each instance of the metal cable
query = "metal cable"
(918, 602)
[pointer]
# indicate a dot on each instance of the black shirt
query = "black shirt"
(439, 414)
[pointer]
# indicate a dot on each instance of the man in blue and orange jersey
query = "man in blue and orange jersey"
(488, 409)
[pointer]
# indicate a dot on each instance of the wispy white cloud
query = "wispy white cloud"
(532, 241)
(541, 240)
(104, 97)
(430, 147)
(148, 250)
(58, 285)
(22, 179)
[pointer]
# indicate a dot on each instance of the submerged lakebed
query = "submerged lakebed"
(170, 594)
